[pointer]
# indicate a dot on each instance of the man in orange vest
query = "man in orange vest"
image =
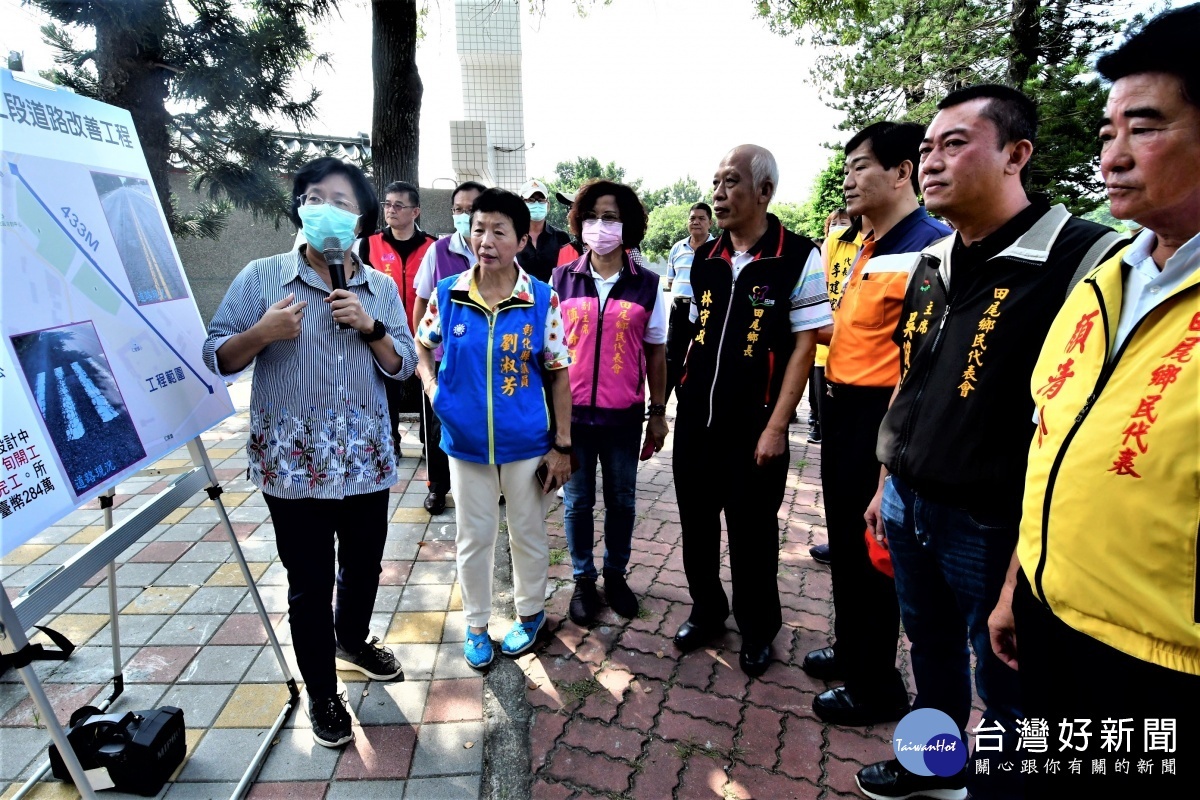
(397, 250)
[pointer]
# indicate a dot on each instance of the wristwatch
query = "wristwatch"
(560, 449)
(658, 409)
(377, 333)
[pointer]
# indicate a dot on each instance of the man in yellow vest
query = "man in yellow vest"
(1104, 587)
(838, 221)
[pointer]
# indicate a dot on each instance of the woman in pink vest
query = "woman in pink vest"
(615, 322)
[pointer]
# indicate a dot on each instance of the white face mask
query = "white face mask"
(538, 211)
(325, 221)
(462, 224)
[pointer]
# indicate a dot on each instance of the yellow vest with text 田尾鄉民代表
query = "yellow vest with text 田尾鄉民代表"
(1112, 498)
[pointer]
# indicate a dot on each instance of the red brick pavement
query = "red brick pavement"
(620, 713)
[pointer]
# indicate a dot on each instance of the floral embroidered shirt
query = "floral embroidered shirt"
(319, 423)
(554, 351)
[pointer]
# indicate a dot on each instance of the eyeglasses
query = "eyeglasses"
(395, 206)
(316, 200)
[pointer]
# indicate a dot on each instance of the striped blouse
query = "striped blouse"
(319, 423)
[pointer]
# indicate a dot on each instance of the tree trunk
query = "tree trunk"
(396, 115)
(127, 62)
(1025, 41)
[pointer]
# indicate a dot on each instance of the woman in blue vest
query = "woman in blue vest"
(616, 329)
(504, 362)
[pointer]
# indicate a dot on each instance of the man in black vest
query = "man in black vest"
(759, 298)
(955, 439)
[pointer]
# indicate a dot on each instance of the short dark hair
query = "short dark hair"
(893, 143)
(502, 201)
(705, 207)
(1164, 44)
(1013, 113)
(320, 169)
(467, 186)
(633, 213)
(404, 187)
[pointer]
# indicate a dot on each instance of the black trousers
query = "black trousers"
(1068, 675)
(680, 331)
(715, 471)
(816, 389)
(866, 622)
(304, 535)
(403, 398)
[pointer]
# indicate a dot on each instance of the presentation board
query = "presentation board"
(100, 367)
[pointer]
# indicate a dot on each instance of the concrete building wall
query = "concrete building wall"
(489, 52)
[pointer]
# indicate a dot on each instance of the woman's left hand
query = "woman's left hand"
(656, 430)
(558, 468)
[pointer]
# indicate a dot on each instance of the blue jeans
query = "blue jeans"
(617, 449)
(950, 567)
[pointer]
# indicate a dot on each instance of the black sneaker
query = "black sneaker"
(621, 598)
(585, 602)
(374, 661)
(820, 553)
(814, 433)
(888, 780)
(331, 725)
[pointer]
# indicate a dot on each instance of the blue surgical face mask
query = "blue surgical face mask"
(538, 211)
(462, 224)
(326, 220)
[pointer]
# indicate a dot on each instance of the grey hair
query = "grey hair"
(763, 168)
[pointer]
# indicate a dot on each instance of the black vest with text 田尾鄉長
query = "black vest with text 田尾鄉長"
(743, 340)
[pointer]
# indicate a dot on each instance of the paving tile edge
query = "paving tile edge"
(507, 712)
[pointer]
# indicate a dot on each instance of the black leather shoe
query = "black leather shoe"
(820, 553)
(621, 598)
(888, 780)
(822, 665)
(435, 503)
(754, 658)
(585, 602)
(692, 636)
(839, 707)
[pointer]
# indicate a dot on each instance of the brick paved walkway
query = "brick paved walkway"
(620, 713)
(617, 712)
(191, 638)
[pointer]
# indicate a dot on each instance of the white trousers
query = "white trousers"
(477, 489)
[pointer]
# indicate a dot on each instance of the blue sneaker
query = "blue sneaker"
(477, 649)
(523, 635)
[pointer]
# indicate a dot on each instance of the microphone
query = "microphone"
(335, 259)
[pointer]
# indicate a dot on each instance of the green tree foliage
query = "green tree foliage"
(227, 65)
(667, 225)
(570, 175)
(685, 190)
(1103, 215)
(894, 59)
(826, 196)
(793, 216)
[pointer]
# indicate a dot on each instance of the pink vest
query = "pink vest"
(608, 363)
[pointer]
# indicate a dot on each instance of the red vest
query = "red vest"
(384, 258)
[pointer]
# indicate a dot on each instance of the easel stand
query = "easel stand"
(40, 598)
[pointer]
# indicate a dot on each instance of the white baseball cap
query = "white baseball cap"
(532, 187)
